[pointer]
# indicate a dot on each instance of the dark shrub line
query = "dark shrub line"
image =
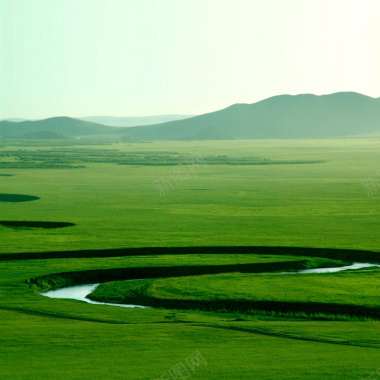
(59, 280)
(330, 253)
(33, 224)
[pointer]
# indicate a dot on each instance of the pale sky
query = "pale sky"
(151, 57)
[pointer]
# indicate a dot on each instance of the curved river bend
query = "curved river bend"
(81, 292)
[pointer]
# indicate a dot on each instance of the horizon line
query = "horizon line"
(183, 114)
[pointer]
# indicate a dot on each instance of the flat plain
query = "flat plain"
(107, 199)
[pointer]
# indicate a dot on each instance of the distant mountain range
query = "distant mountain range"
(285, 116)
(115, 121)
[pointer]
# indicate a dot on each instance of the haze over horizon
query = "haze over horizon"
(86, 58)
(170, 117)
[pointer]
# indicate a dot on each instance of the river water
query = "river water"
(335, 269)
(80, 293)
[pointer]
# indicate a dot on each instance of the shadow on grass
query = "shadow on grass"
(335, 254)
(28, 224)
(17, 198)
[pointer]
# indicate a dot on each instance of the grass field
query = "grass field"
(113, 206)
(308, 194)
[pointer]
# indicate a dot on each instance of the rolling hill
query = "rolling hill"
(66, 125)
(14, 119)
(284, 116)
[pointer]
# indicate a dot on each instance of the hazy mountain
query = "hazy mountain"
(284, 116)
(66, 125)
(115, 121)
(14, 119)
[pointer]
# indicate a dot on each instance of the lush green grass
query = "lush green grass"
(102, 341)
(32, 347)
(116, 206)
(111, 342)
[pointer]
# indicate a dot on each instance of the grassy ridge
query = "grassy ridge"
(353, 294)
(58, 280)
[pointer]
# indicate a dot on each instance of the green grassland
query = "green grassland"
(83, 350)
(309, 194)
(111, 342)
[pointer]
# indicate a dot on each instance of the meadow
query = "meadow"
(117, 206)
(198, 220)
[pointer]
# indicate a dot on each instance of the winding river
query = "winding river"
(81, 292)
(335, 269)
